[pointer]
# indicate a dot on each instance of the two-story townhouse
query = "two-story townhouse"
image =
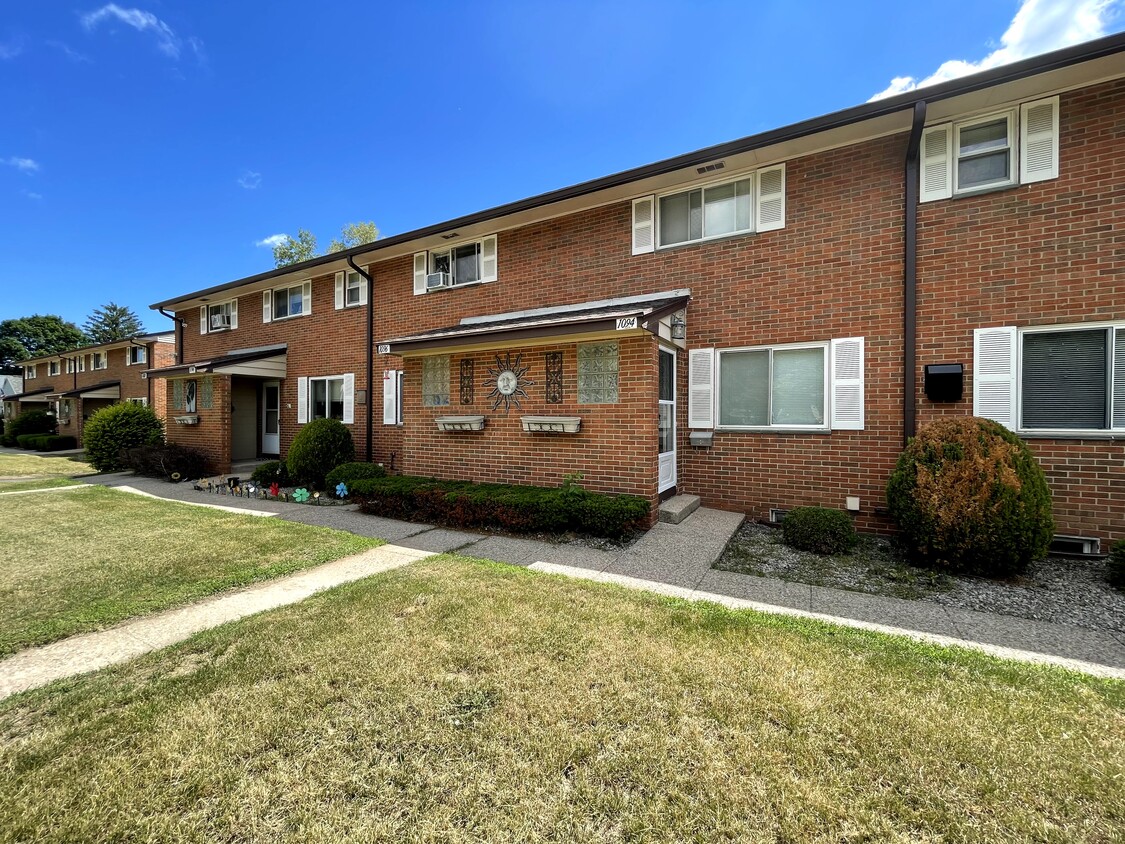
(762, 323)
(77, 383)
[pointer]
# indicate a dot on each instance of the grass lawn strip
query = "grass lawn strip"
(463, 701)
(34, 465)
(85, 559)
(36, 484)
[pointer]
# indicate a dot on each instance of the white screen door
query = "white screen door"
(271, 411)
(666, 428)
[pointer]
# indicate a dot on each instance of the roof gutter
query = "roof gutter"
(910, 277)
(370, 352)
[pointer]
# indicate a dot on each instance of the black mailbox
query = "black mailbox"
(945, 381)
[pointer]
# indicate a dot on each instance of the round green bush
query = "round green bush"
(319, 448)
(113, 430)
(818, 529)
(970, 498)
(347, 473)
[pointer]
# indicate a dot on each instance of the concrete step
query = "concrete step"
(678, 507)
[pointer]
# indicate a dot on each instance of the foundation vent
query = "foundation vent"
(1084, 546)
(777, 514)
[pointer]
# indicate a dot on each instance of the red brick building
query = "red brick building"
(762, 323)
(75, 384)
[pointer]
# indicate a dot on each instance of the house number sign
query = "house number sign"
(625, 323)
(384, 348)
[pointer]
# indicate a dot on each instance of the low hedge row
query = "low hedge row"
(46, 442)
(519, 509)
(349, 473)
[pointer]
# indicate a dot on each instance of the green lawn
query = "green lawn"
(463, 701)
(84, 559)
(36, 466)
(39, 483)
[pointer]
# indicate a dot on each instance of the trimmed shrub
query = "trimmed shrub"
(1117, 566)
(320, 447)
(821, 530)
(28, 441)
(163, 460)
(29, 422)
(272, 471)
(970, 498)
(349, 473)
(519, 509)
(113, 430)
(54, 442)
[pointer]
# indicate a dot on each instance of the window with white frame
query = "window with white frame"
(142, 401)
(82, 363)
(326, 398)
(136, 355)
(392, 396)
(597, 373)
(71, 366)
(52, 367)
(435, 381)
(219, 316)
(456, 264)
(355, 289)
(66, 408)
(288, 301)
(986, 152)
(29, 373)
(778, 386)
(100, 360)
(1054, 378)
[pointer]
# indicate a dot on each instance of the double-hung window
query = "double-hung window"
(288, 302)
(100, 360)
(774, 387)
(137, 354)
(53, 367)
(985, 153)
(220, 316)
(326, 398)
(455, 265)
(29, 373)
(355, 289)
(71, 366)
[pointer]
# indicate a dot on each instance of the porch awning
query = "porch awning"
(102, 390)
(627, 315)
(43, 394)
(261, 363)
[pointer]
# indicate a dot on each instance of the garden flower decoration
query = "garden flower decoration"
(274, 489)
(341, 490)
(301, 495)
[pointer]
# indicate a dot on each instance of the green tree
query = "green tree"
(112, 322)
(293, 251)
(354, 234)
(36, 336)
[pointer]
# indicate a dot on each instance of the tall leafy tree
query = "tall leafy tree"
(354, 234)
(112, 322)
(294, 250)
(36, 336)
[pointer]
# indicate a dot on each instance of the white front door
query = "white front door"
(666, 427)
(271, 411)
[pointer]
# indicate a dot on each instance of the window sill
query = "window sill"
(459, 286)
(983, 190)
(287, 318)
(716, 238)
(1071, 434)
(771, 430)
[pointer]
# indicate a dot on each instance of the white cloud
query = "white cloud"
(24, 165)
(166, 40)
(1038, 27)
(272, 241)
(250, 180)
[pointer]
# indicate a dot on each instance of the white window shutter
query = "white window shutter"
(420, 261)
(203, 319)
(769, 204)
(267, 305)
(390, 397)
(302, 401)
(847, 384)
(937, 163)
(644, 225)
(306, 297)
(1039, 140)
(994, 375)
(701, 388)
(234, 313)
(489, 264)
(363, 286)
(340, 284)
(349, 398)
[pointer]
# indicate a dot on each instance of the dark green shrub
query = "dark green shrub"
(349, 473)
(29, 422)
(113, 430)
(519, 509)
(969, 497)
(821, 530)
(167, 460)
(28, 441)
(1117, 565)
(320, 447)
(272, 471)
(54, 442)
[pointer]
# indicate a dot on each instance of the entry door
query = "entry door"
(271, 410)
(666, 431)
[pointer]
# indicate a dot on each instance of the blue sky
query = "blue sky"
(145, 150)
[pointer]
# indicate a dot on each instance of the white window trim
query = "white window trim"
(823, 428)
(1065, 433)
(94, 361)
(141, 400)
(726, 179)
(136, 351)
(485, 276)
(53, 368)
(206, 320)
(1013, 148)
(361, 287)
(347, 395)
(30, 373)
(305, 295)
(71, 366)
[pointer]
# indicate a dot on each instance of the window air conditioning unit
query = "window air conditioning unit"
(436, 280)
(219, 321)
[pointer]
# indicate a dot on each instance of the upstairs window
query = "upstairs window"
(355, 289)
(220, 316)
(29, 373)
(53, 367)
(136, 354)
(456, 265)
(100, 360)
(291, 301)
(984, 152)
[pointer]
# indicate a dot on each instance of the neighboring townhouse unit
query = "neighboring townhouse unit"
(762, 323)
(75, 384)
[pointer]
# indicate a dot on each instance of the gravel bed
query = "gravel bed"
(1057, 589)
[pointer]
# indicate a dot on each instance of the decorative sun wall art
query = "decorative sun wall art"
(507, 381)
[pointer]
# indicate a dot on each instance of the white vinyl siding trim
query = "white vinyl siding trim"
(937, 169)
(302, 400)
(701, 388)
(769, 202)
(644, 222)
(994, 374)
(421, 263)
(1039, 140)
(847, 384)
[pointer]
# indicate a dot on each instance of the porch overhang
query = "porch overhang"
(606, 318)
(45, 394)
(103, 390)
(258, 363)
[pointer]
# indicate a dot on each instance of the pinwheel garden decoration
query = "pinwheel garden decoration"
(274, 489)
(341, 490)
(301, 495)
